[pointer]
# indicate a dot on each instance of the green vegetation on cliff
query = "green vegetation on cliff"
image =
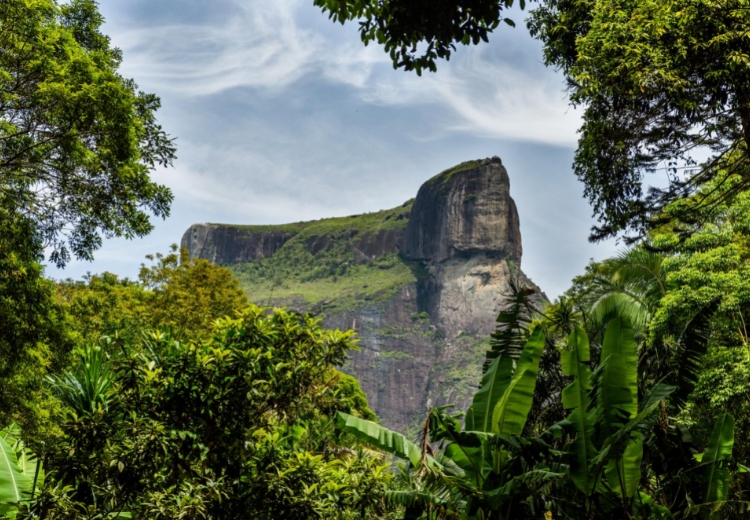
(384, 220)
(332, 264)
(329, 281)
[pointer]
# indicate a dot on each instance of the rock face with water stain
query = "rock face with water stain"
(423, 345)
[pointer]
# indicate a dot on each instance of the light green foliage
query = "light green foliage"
(33, 339)
(317, 266)
(189, 295)
(184, 295)
(709, 268)
(77, 140)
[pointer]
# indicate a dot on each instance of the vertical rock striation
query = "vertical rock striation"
(464, 227)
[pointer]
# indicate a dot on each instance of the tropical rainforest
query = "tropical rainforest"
(174, 396)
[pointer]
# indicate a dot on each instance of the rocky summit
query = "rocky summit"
(422, 283)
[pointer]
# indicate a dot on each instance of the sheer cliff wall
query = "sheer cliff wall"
(421, 284)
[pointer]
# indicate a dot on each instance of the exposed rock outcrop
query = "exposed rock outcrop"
(421, 342)
(464, 227)
(464, 211)
(223, 244)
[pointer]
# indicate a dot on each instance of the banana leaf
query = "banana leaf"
(575, 397)
(380, 437)
(14, 485)
(27, 461)
(619, 339)
(624, 472)
(512, 410)
(494, 383)
(716, 478)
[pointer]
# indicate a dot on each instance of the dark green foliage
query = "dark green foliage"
(658, 80)
(418, 33)
(235, 427)
(511, 333)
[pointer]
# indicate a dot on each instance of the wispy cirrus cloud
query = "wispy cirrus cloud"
(272, 45)
(258, 45)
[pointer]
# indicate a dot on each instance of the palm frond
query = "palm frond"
(510, 336)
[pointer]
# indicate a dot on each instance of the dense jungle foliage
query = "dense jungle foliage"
(172, 396)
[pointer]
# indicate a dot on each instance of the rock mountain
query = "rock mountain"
(421, 284)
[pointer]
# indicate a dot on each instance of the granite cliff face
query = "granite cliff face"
(422, 284)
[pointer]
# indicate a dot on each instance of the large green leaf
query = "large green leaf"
(619, 340)
(380, 437)
(624, 473)
(14, 485)
(575, 397)
(494, 383)
(616, 383)
(28, 462)
(716, 478)
(512, 410)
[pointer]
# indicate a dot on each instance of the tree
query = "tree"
(418, 33)
(175, 292)
(661, 82)
(33, 339)
(712, 267)
(188, 295)
(236, 426)
(77, 140)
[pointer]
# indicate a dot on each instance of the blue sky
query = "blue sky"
(281, 116)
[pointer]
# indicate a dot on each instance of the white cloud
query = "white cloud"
(488, 98)
(260, 45)
(272, 45)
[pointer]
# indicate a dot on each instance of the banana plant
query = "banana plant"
(607, 446)
(500, 473)
(478, 458)
(20, 471)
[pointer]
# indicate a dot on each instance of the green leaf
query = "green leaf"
(379, 437)
(494, 383)
(512, 410)
(13, 483)
(619, 339)
(575, 396)
(716, 478)
(624, 473)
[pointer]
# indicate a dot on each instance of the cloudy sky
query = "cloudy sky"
(281, 116)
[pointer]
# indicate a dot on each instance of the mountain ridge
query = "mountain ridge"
(421, 283)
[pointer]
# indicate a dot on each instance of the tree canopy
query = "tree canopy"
(663, 84)
(77, 140)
